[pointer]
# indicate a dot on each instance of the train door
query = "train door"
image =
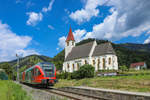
(37, 75)
(32, 75)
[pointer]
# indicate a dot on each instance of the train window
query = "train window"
(36, 72)
(48, 72)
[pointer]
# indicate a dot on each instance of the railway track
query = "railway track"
(73, 95)
(87, 93)
(68, 94)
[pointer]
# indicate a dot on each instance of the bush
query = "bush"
(85, 71)
(123, 68)
(63, 75)
(3, 76)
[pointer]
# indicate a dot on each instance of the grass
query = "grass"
(140, 83)
(136, 72)
(11, 91)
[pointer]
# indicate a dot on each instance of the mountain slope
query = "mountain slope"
(127, 53)
(136, 47)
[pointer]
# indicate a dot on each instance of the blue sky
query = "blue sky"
(41, 26)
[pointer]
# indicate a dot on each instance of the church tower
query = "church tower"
(70, 43)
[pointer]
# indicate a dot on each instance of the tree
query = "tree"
(8, 70)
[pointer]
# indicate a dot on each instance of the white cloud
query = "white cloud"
(46, 9)
(79, 35)
(147, 40)
(34, 18)
(90, 10)
(61, 42)
(148, 32)
(10, 43)
(128, 18)
(51, 27)
(26, 52)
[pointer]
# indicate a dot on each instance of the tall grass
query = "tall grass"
(11, 91)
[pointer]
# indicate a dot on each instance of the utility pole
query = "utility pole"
(17, 67)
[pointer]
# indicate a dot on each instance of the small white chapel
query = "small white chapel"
(102, 57)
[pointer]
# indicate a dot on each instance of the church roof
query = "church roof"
(80, 51)
(102, 49)
(70, 36)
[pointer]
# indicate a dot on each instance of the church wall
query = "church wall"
(99, 65)
(77, 63)
(113, 64)
(69, 47)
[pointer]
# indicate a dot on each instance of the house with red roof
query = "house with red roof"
(138, 65)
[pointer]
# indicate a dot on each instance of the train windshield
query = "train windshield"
(48, 70)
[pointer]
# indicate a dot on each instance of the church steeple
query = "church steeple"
(70, 43)
(70, 35)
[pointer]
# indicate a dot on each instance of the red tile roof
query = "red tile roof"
(137, 64)
(70, 36)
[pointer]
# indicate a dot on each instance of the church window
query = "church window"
(67, 43)
(72, 43)
(93, 62)
(98, 64)
(109, 61)
(73, 67)
(77, 66)
(68, 66)
(104, 63)
(85, 61)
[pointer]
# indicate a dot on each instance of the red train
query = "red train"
(43, 74)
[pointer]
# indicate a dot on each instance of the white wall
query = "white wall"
(69, 48)
(113, 65)
(75, 62)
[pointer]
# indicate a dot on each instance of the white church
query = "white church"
(102, 57)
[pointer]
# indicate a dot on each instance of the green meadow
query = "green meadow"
(138, 83)
(11, 91)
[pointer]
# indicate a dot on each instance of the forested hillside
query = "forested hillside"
(127, 54)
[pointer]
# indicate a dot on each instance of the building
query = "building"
(138, 65)
(100, 56)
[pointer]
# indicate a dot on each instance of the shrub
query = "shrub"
(85, 71)
(123, 68)
(63, 75)
(3, 76)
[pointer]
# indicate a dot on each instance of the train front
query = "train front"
(49, 70)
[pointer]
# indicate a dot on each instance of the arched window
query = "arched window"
(67, 43)
(104, 63)
(73, 67)
(109, 60)
(85, 62)
(77, 66)
(98, 64)
(72, 43)
(93, 62)
(68, 67)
